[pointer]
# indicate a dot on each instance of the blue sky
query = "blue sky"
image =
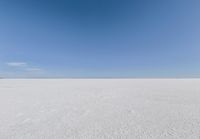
(99, 38)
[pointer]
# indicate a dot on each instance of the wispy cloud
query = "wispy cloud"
(17, 64)
(23, 66)
(33, 69)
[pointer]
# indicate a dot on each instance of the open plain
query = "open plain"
(99, 108)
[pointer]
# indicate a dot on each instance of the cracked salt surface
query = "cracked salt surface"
(99, 108)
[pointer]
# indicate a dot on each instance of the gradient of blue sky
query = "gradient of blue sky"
(100, 38)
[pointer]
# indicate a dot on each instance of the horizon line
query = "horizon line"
(99, 77)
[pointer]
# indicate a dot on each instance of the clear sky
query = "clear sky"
(100, 38)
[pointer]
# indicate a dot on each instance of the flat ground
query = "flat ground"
(100, 109)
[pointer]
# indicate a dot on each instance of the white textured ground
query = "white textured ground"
(100, 109)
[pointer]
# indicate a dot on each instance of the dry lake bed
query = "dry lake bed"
(99, 108)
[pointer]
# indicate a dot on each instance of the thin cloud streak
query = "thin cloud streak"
(17, 64)
(23, 66)
(33, 69)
